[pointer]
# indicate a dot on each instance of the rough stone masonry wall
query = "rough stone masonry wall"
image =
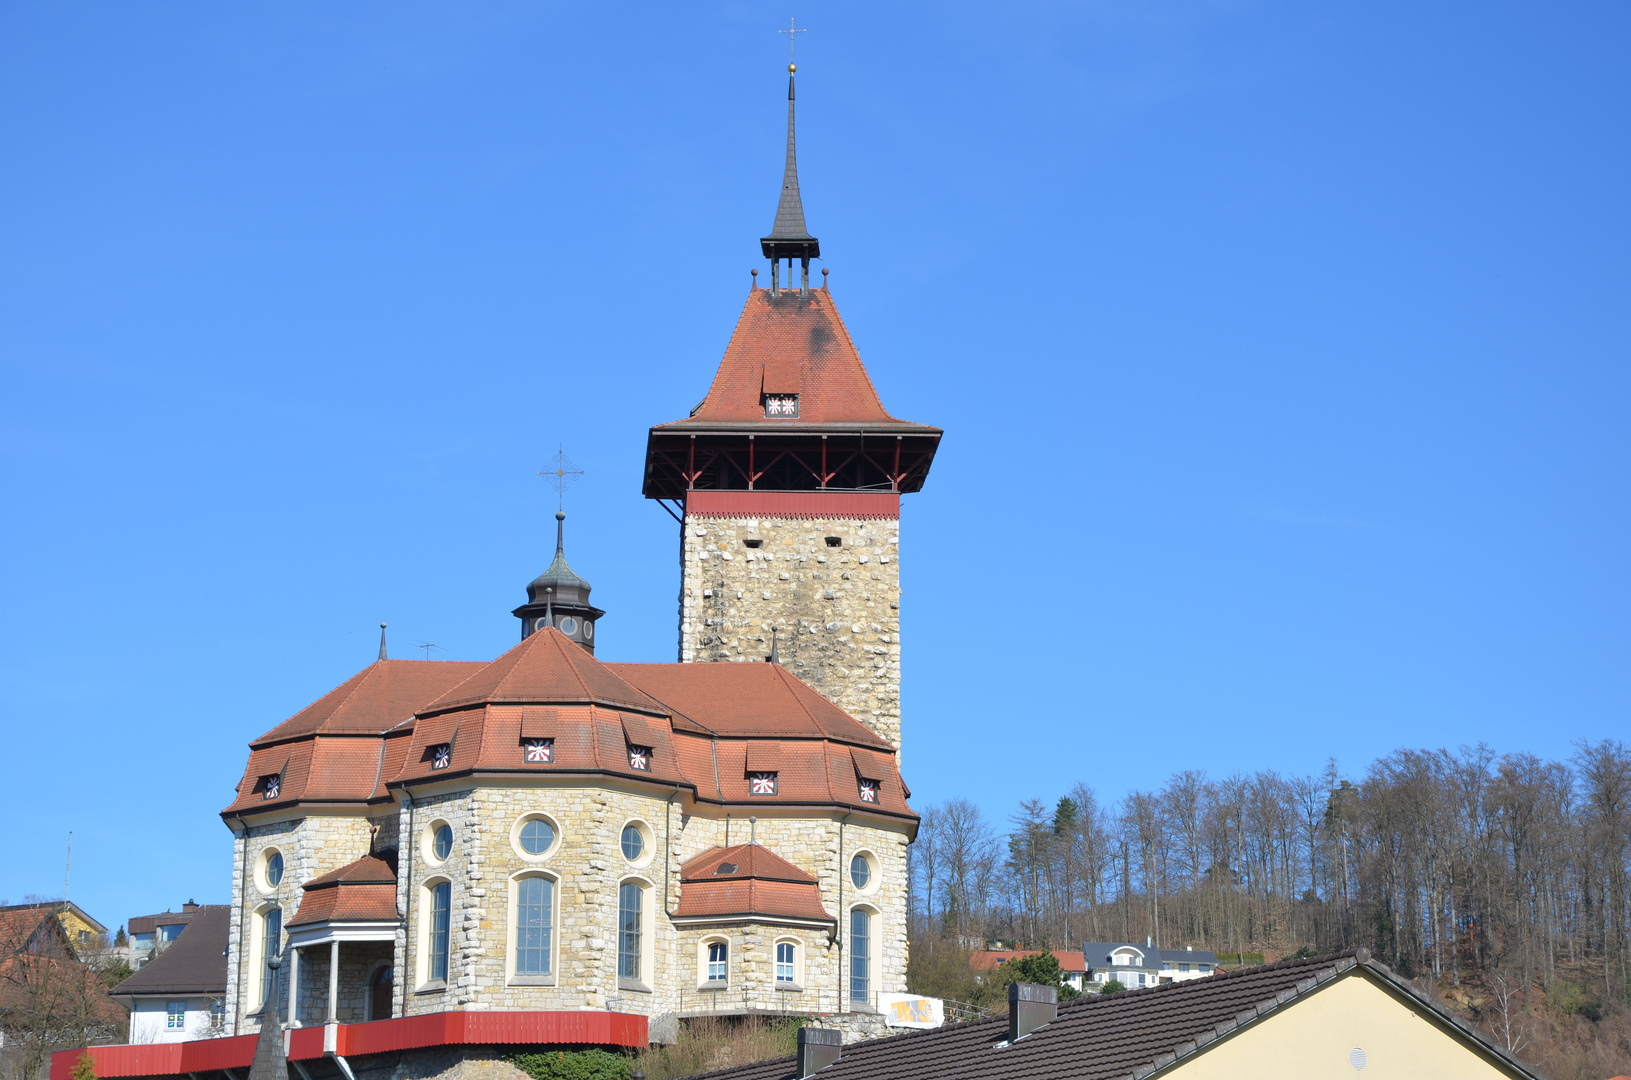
(836, 609)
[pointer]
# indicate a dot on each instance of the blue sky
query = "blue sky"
(1281, 351)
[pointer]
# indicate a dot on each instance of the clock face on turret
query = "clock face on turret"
(569, 625)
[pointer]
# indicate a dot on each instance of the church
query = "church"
(551, 831)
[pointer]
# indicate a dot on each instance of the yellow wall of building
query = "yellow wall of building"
(1309, 1038)
(73, 924)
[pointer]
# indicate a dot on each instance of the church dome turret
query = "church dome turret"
(560, 598)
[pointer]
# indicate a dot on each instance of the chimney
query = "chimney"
(818, 1048)
(1030, 1005)
(189, 906)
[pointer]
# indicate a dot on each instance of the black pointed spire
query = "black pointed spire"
(382, 641)
(560, 598)
(789, 237)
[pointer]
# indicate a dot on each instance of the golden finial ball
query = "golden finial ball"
(792, 68)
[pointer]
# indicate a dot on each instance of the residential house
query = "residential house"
(150, 934)
(79, 928)
(1329, 1016)
(1134, 966)
(49, 997)
(180, 993)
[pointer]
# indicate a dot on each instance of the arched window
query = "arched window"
(719, 954)
(379, 994)
(860, 957)
(787, 953)
(441, 910)
(534, 925)
(271, 946)
(629, 902)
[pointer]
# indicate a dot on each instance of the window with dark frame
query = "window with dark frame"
(782, 406)
(271, 786)
(761, 783)
(640, 758)
(441, 755)
(538, 751)
(869, 791)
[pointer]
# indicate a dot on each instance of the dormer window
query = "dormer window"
(869, 791)
(762, 783)
(441, 755)
(640, 758)
(782, 406)
(724, 868)
(538, 751)
(271, 786)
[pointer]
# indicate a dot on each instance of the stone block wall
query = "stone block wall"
(836, 609)
(358, 961)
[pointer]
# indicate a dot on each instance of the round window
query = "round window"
(860, 871)
(274, 869)
(539, 623)
(536, 836)
(569, 626)
(634, 845)
(442, 842)
(588, 630)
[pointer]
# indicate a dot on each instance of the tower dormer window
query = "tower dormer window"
(640, 758)
(538, 751)
(762, 783)
(869, 791)
(271, 786)
(782, 406)
(441, 755)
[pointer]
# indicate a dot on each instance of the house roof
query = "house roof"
(546, 668)
(1117, 1037)
(360, 891)
(1097, 954)
(381, 695)
(1070, 962)
(747, 881)
(195, 963)
(35, 954)
(147, 924)
(745, 700)
(792, 344)
(54, 907)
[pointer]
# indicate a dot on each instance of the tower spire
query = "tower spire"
(382, 641)
(789, 236)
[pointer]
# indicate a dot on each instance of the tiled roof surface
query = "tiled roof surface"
(364, 890)
(195, 963)
(314, 769)
(745, 700)
(547, 667)
(792, 344)
(35, 954)
(747, 880)
(1097, 1038)
(990, 959)
(379, 696)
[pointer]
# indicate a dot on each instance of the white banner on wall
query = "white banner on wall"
(911, 1010)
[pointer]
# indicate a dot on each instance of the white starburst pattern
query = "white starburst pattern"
(640, 757)
(762, 783)
(441, 756)
(869, 791)
(273, 786)
(540, 750)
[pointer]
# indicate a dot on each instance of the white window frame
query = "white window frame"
(422, 982)
(173, 1022)
(874, 918)
(704, 966)
(796, 982)
(648, 931)
(512, 925)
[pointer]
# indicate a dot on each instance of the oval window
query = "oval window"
(634, 845)
(536, 836)
(442, 842)
(274, 869)
(569, 626)
(588, 629)
(860, 871)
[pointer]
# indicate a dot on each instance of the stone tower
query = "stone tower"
(787, 481)
(559, 598)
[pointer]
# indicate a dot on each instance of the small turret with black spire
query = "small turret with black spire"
(789, 237)
(559, 598)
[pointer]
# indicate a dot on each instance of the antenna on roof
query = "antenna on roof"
(382, 641)
(427, 646)
(68, 870)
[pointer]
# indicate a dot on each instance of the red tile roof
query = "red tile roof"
(792, 345)
(747, 881)
(1070, 962)
(382, 694)
(546, 668)
(745, 700)
(362, 891)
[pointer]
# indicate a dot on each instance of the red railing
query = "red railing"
(380, 1036)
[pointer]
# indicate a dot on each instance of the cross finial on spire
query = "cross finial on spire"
(793, 29)
(560, 475)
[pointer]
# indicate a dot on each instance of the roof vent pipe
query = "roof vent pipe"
(818, 1048)
(1030, 1005)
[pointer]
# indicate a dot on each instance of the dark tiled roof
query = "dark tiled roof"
(1121, 1037)
(195, 963)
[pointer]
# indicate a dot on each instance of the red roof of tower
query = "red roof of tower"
(790, 344)
(546, 667)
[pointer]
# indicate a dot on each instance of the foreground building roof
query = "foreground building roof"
(1142, 1033)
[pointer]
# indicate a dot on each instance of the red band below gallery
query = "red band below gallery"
(377, 1037)
(794, 504)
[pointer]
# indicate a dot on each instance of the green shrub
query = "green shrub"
(85, 1067)
(1112, 987)
(1042, 968)
(591, 1064)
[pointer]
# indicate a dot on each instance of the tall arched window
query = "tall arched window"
(271, 946)
(629, 902)
(534, 925)
(441, 909)
(860, 956)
